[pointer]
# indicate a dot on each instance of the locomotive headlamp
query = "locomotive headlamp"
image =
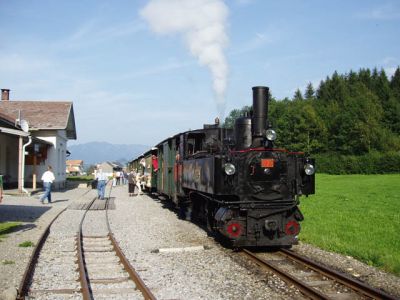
(229, 169)
(309, 169)
(271, 135)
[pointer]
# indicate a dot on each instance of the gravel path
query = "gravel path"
(175, 258)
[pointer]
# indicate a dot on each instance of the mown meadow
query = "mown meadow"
(356, 215)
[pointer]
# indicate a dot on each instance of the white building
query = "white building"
(51, 125)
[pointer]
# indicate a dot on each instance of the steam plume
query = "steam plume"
(203, 24)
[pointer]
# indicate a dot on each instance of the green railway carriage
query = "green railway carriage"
(145, 166)
(176, 155)
(166, 162)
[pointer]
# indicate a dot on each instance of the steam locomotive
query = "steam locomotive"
(233, 180)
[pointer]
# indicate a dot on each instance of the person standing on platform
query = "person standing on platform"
(138, 178)
(118, 177)
(47, 178)
(131, 183)
(101, 183)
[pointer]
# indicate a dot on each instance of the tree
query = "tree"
(310, 92)
(393, 105)
(90, 169)
(234, 114)
(298, 95)
(349, 114)
(395, 81)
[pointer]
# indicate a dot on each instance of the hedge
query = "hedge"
(371, 163)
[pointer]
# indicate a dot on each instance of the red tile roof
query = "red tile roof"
(7, 118)
(43, 114)
(74, 162)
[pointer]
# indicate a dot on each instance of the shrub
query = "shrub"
(371, 163)
(86, 178)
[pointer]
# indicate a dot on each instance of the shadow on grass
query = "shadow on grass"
(21, 213)
(13, 227)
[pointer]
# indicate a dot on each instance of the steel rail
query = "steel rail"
(303, 287)
(27, 277)
(132, 273)
(147, 294)
(83, 276)
(344, 279)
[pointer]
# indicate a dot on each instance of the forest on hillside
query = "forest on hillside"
(349, 119)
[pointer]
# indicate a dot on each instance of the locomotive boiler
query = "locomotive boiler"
(234, 180)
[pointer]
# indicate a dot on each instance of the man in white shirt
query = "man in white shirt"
(101, 182)
(47, 178)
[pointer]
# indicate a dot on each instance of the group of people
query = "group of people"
(135, 180)
(119, 178)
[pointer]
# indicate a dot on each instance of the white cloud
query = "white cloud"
(389, 64)
(203, 25)
(390, 71)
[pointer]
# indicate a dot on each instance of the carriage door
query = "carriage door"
(165, 182)
(168, 168)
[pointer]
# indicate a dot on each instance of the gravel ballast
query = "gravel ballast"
(34, 217)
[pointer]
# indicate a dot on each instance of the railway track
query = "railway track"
(315, 281)
(77, 257)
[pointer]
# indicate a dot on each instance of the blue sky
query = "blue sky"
(132, 82)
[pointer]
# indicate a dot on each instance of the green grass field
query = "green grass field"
(356, 215)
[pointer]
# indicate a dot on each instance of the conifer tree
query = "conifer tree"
(298, 95)
(393, 105)
(310, 92)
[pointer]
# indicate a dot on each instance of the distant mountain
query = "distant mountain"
(97, 152)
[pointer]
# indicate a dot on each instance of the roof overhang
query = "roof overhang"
(14, 131)
(40, 141)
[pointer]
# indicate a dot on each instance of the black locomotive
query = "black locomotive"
(234, 181)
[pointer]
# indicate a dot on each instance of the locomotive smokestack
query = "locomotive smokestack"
(260, 112)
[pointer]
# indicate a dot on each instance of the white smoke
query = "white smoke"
(203, 25)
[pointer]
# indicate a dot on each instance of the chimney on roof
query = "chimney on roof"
(5, 94)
